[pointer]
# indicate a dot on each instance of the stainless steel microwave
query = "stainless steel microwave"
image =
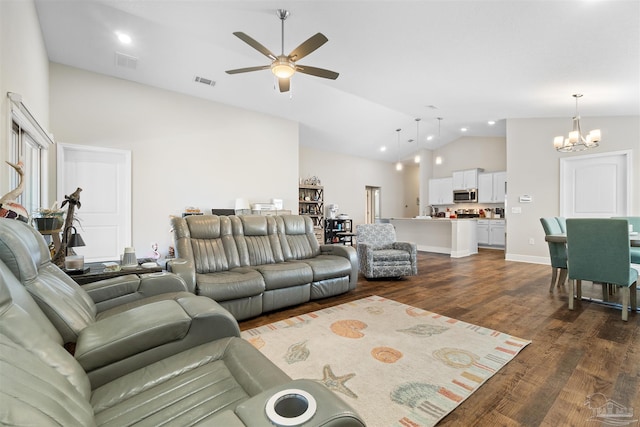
(465, 196)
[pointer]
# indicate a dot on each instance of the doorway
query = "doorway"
(104, 174)
(373, 204)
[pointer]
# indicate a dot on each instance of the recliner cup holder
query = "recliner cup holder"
(291, 407)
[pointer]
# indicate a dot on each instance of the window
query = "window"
(24, 148)
(29, 143)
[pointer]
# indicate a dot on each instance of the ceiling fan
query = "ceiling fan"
(284, 66)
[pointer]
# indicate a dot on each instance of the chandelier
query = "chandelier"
(576, 141)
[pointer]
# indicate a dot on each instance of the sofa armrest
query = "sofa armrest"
(347, 252)
(120, 290)
(412, 248)
(331, 411)
(365, 258)
(185, 269)
(130, 340)
(406, 246)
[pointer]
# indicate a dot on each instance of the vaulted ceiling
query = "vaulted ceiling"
(468, 62)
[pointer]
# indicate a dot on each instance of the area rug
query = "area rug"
(396, 365)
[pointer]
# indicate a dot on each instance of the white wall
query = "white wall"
(345, 177)
(185, 151)
(533, 168)
(488, 153)
(24, 69)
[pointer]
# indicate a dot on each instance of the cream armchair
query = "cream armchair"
(380, 255)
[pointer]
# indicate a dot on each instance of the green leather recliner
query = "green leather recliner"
(225, 382)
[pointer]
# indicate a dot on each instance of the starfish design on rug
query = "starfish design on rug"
(336, 383)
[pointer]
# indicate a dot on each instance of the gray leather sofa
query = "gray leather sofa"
(254, 264)
(224, 382)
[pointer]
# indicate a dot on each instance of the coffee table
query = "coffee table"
(96, 272)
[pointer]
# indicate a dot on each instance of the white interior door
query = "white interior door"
(104, 174)
(596, 186)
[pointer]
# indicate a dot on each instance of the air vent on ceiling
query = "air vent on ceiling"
(204, 81)
(126, 61)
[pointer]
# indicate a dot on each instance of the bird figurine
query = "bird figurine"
(9, 207)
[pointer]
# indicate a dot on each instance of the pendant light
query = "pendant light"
(438, 158)
(398, 164)
(576, 141)
(417, 157)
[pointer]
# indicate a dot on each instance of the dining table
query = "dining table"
(634, 240)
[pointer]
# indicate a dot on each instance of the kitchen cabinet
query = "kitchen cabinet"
(441, 191)
(466, 179)
(491, 232)
(492, 187)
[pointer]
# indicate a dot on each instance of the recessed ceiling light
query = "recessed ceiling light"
(491, 122)
(124, 38)
(383, 149)
(430, 137)
(463, 129)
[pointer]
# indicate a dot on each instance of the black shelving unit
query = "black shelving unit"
(338, 231)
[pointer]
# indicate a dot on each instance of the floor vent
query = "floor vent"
(204, 81)
(126, 61)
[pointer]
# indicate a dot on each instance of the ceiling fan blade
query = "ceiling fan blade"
(248, 69)
(284, 84)
(308, 46)
(318, 72)
(254, 44)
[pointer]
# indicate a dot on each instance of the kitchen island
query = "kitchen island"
(456, 237)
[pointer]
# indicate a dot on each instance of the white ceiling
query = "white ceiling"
(465, 61)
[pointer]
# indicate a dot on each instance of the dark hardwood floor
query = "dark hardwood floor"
(573, 354)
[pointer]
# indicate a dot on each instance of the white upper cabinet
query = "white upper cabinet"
(441, 191)
(466, 179)
(492, 187)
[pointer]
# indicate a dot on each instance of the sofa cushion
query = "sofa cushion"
(297, 237)
(285, 274)
(328, 267)
(241, 282)
(391, 255)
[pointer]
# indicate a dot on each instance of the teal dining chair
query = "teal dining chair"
(557, 251)
(634, 221)
(598, 251)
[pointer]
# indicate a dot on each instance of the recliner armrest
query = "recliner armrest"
(331, 411)
(130, 340)
(132, 332)
(120, 290)
(185, 269)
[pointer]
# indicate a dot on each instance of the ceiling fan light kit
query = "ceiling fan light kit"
(284, 66)
(576, 141)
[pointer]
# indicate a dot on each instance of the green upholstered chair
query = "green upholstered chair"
(635, 251)
(557, 250)
(598, 251)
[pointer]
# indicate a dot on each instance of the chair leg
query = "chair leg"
(563, 277)
(633, 300)
(605, 291)
(625, 303)
(572, 284)
(579, 289)
(554, 275)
